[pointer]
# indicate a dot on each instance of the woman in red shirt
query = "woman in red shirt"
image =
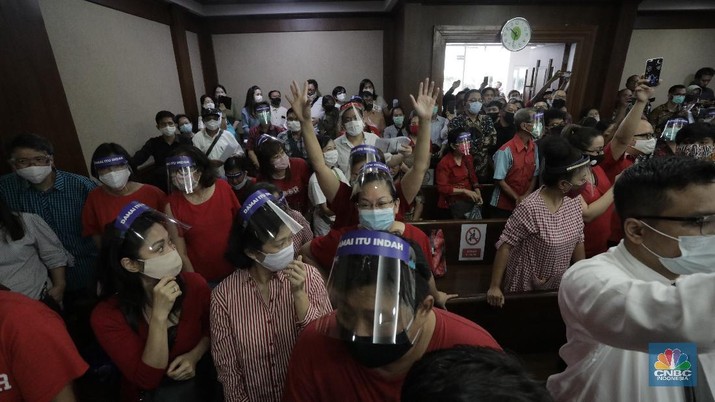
(153, 320)
(291, 175)
(205, 204)
(456, 180)
(597, 194)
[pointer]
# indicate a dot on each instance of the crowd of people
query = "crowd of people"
(267, 254)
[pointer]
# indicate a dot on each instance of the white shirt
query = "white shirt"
(438, 130)
(316, 196)
(225, 147)
(613, 306)
(278, 116)
(344, 146)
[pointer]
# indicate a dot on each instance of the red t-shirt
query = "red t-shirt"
(449, 176)
(323, 248)
(598, 230)
(242, 193)
(255, 133)
(296, 187)
(613, 167)
(346, 212)
(37, 357)
(210, 222)
(125, 346)
(102, 208)
(521, 173)
(321, 368)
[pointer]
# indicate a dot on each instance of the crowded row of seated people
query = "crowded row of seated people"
(219, 278)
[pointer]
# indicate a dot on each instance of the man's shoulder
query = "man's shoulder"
(456, 330)
(77, 179)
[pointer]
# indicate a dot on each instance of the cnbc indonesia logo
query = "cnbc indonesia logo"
(673, 365)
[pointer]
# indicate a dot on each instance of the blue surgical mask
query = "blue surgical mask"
(398, 120)
(678, 99)
(377, 219)
(475, 107)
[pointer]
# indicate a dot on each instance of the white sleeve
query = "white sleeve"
(315, 194)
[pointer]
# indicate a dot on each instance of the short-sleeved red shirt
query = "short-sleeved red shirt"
(449, 176)
(102, 208)
(521, 173)
(37, 356)
(322, 369)
(295, 188)
(613, 167)
(346, 212)
(323, 248)
(210, 221)
(255, 133)
(598, 230)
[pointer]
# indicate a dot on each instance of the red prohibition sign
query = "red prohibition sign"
(473, 236)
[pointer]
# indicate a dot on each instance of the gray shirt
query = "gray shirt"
(24, 263)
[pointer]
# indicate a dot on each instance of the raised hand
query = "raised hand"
(643, 92)
(298, 100)
(426, 98)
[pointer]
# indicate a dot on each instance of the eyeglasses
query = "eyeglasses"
(706, 223)
(647, 136)
(36, 161)
(380, 204)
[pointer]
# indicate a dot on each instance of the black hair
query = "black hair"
(162, 114)
(313, 82)
(339, 89)
(238, 162)
(372, 177)
(466, 373)
(675, 88)
(203, 164)
(220, 86)
(10, 223)
(696, 132)
(580, 137)
(31, 141)
(454, 134)
(512, 92)
(114, 279)
(364, 82)
(203, 98)
(323, 140)
(362, 157)
(264, 152)
(246, 236)
(327, 99)
(471, 91)
(106, 149)
(557, 153)
(249, 99)
(552, 114)
(704, 71)
(642, 189)
(179, 116)
(274, 90)
(494, 91)
(495, 103)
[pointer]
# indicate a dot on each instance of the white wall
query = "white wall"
(196, 69)
(528, 56)
(684, 51)
(272, 60)
(118, 70)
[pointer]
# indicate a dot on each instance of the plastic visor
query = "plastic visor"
(538, 129)
(259, 213)
(109, 161)
(364, 152)
(130, 212)
(182, 174)
(372, 288)
(672, 126)
(356, 107)
(370, 172)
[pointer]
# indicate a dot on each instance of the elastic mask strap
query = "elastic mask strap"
(661, 233)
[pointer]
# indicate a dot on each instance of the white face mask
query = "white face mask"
(331, 157)
(354, 128)
(35, 174)
(278, 261)
(342, 97)
(697, 254)
(258, 98)
(116, 180)
(209, 106)
(159, 267)
(168, 131)
(242, 183)
(212, 124)
(293, 125)
(645, 146)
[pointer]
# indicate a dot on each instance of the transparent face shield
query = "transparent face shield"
(372, 288)
(463, 143)
(351, 118)
(372, 172)
(263, 112)
(363, 153)
(112, 170)
(578, 172)
(672, 126)
(537, 129)
(133, 210)
(261, 214)
(182, 174)
(265, 138)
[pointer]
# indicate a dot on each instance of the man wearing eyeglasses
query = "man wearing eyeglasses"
(37, 187)
(656, 286)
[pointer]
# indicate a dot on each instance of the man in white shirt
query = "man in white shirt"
(656, 286)
(217, 144)
(278, 112)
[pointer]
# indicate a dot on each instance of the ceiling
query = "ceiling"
(216, 8)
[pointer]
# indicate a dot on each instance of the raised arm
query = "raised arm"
(546, 86)
(327, 180)
(627, 129)
(426, 98)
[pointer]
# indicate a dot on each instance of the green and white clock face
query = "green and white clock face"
(516, 34)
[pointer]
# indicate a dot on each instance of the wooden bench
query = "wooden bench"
(466, 278)
(431, 195)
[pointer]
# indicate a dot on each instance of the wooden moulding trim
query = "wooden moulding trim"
(583, 36)
(147, 9)
(183, 62)
(354, 22)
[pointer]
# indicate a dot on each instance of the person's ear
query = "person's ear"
(130, 265)
(397, 205)
(633, 229)
(425, 307)
(254, 255)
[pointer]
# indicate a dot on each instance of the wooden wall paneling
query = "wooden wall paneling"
(582, 36)
(34, 98)
(681, 19)
(296, 23)
(154, 10)
(183, 62)
(208, 59)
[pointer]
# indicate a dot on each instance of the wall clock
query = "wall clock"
(516, 34)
